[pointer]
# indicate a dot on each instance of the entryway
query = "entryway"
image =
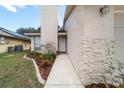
(62, 42)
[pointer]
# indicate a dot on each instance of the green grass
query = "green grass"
(17, 72)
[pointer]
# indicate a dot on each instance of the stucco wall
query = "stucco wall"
(74, 28)
(12, 42)
(119, 35)
(32, 43)
(49, 25)
(90, 37)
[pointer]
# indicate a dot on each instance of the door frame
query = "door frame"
(65, 36)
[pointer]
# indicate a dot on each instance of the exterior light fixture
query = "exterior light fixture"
(104, 10)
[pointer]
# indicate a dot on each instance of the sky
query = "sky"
(14, 17)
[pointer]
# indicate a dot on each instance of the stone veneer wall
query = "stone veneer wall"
(99, 63)
(96, 53)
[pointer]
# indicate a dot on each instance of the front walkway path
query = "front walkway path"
(63, 74)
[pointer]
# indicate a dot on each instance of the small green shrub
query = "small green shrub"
(48, 47)
(36, 54)
(46, 57)
(49, 56)
(41, 56)
(46, 62)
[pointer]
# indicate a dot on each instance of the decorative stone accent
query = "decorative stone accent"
(98, 61)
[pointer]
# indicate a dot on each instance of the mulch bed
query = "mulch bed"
(99, 85)
(44, 70)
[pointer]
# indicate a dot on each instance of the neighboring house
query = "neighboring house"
(12, 39)
(35, 40)
(93, 38)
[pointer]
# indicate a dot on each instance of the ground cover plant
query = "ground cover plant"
(44, 62)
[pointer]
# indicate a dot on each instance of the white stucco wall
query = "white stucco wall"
(119, 36)
(32, 43)
(74, 28)
(90, 34)
(49, 25)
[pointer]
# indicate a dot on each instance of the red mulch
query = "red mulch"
(44, 70)
(99, 85)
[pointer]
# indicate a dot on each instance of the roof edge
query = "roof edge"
(14, 36)
(68, 11)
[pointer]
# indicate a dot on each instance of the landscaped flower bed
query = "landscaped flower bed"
(99, 85)
(44, 62)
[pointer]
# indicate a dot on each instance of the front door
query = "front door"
(62, 44)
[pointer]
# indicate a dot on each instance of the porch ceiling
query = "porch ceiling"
(62, 34)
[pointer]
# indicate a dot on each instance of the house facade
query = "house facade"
(35, 40)
(93, 40)
(92, 34)
(12, 39)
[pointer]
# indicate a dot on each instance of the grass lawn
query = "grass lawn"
(15, 71)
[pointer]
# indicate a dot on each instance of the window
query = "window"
(37, 42)
(2, 40)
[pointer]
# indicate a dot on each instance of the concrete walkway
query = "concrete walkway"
(63, 74)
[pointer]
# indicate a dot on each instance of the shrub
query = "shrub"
(48, 47)
(46, 62)
(50, 56)
(46, 57)
(41, 56)
(49, 51)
